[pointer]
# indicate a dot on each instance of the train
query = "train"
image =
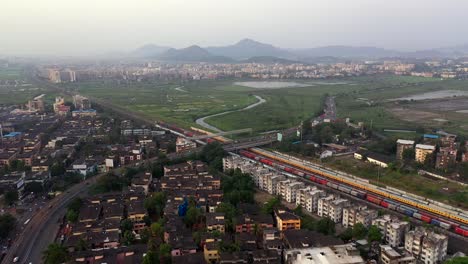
(372, 195)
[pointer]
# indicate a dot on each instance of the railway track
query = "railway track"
(449, 218)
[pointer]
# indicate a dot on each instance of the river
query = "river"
(201, 121)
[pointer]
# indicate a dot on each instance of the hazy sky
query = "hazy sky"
(76, 27)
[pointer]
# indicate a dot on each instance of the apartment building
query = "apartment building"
(392, 229)
(286, 220)
(290, 191)
(272, 182)
(308, 198)
(427, 246)
(183, 144)
(359, 214)
(423, 151)
(445, 157)
(403, 145)
(332, 207)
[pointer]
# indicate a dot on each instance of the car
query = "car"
(16, 259)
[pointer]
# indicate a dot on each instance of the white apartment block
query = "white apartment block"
(308, 198)
(291, 190)
(358, 214)
(332, 207)
(427, 247)
(272, 182)
(392, 229)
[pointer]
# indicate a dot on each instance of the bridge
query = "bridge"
(212, 135)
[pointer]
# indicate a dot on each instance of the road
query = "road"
(201, 121)
(27, 240)
(43, 227)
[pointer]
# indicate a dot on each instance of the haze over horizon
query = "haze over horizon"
(87, 27)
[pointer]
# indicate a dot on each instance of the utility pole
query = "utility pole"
(302, 126)
(1, 133)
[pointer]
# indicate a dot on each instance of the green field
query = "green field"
(360, 98)
(11, 73)
(178, 104)
(18, 92)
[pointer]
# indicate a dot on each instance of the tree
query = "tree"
(81, 245)
(457, 260)
(308, 223)
(298, 210)
(347, 234)
(326, 226)
(192, 216)
(157, 229)
(213, 154)
(72, 216)
(359, 231)
(165, 253)
(11, 197)
(151, 258)
(75, 204)
(271, 205)
(128, 238)
(57, 169)
(55, 254)
(374, 234)
(155, 204)
(126, 225)
(7, 223)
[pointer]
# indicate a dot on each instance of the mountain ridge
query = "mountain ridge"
(247, 49)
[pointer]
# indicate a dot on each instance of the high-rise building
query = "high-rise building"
(402, 145)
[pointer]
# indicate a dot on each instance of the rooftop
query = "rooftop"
(426, 147)
(405, 142)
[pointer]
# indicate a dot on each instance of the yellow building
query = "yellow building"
(210, 251)
(286, 220)
(422, 151)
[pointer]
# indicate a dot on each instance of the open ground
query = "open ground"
(360, 98)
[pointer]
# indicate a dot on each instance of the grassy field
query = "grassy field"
(360, 98)
(288, 107)
(11, 73)
(16, 90)
(179, 104)
(443, 191)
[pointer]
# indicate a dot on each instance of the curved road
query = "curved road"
(201, 121)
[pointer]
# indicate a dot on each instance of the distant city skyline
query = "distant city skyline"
(88, 27)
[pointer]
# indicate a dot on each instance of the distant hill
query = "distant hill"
(268, 60)
(248, 48)
(345, 51)
(149, 50)
(192, 54)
